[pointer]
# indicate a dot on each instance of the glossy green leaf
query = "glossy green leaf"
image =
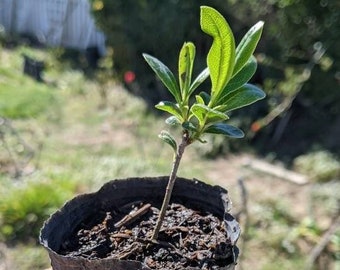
(167, 137)
(199, 99)
(247, 46)
(199, 80)
(221, 57)
(189, 126)
(226, 130)
(242, 77)
(171, 108)
(205, 114)
(205, 96)
(200, 111)
(216, 117)
(241, 97)
(165, 75)
(172, 121)
(185, 65)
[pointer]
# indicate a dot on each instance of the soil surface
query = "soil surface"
(188, 239)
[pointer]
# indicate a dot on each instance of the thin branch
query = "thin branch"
(171, 183)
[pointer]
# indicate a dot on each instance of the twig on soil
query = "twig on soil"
(276, 171)
(131, 217)
(320, 247)
(126, 254)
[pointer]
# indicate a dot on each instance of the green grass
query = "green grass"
(24, 99)
(21, 96)
(24, 207)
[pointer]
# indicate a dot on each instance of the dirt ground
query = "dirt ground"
(259, 184)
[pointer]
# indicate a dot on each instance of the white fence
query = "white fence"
(66, 23)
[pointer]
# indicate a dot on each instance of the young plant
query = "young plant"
(229, 69)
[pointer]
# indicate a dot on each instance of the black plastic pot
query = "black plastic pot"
(193, 194)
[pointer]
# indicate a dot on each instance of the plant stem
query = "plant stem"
(172, 178)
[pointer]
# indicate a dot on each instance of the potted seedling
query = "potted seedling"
(131, 224)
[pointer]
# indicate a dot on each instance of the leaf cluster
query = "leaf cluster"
(229, 67)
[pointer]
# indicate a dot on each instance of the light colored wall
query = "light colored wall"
(66, 23)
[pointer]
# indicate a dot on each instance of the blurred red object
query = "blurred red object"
(129, 77)
(255, 127)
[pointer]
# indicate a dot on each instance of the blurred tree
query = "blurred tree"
(301, 67)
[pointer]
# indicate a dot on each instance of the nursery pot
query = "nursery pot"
(193, 194)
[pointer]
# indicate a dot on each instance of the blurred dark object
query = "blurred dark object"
(33, 68)
(92, 56)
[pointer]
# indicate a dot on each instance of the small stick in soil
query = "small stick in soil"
(322, 244)
(131, 217)
(126, 254)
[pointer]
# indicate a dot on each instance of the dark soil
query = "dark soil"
(189, 239)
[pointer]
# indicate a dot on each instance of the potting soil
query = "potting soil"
(188, 239)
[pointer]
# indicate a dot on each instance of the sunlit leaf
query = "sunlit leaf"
(216, 117)
(167, 137)
(165, 75)
(226, 130)
(247, 46)
(242, 77)
(171, 108)
(199, 99)
(199, 80)
(205, 114)
(241, 97)
(185, 65)
(200, 111)
(221, 57)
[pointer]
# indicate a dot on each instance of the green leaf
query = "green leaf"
(205, 114)
(242, 97)
(172, 121)
(242, 77)
(185, 65)
(199, 80)
(221, 57)
(200, 111)
(247, 46)
(226, 130)
(205, 96)
(167, 137)
(189, 126)
(165, 75)
(199, 99)
(216, 117)
(171, 108)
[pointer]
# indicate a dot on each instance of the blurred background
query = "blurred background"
(77, 109)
